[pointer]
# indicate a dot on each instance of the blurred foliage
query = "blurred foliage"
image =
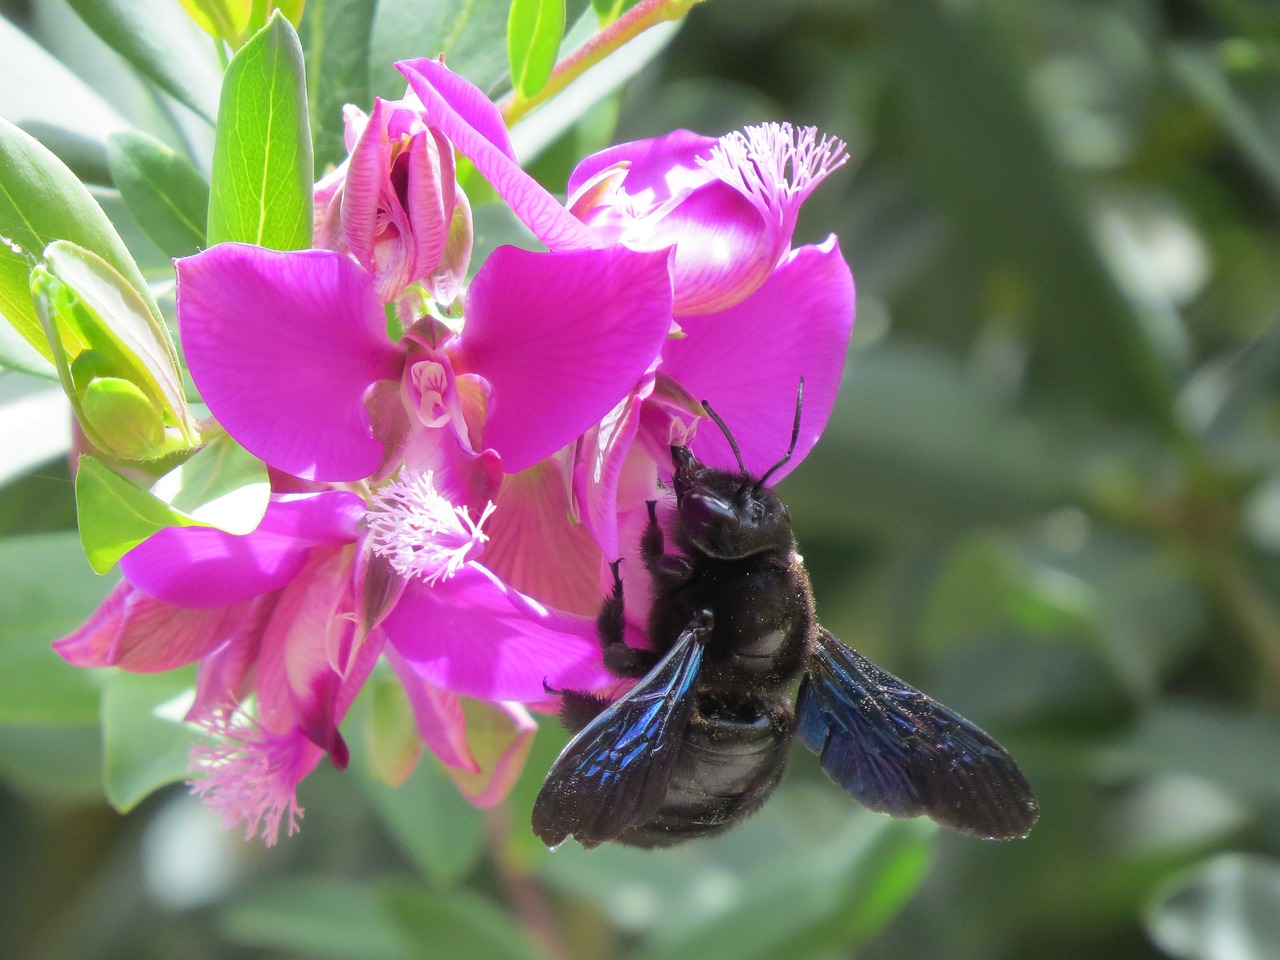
(1050, 495)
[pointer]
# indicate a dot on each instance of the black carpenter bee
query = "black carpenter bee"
(700, 742)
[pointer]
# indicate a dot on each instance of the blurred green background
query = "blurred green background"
(1049, 495)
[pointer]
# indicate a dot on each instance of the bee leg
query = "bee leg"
(666, 570)
(620, 659)
(578, 708)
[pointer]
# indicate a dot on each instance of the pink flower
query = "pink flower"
(729, 206)
(287, 349)
(269, 616)
(394, 204)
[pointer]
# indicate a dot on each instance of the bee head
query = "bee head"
(727, 515)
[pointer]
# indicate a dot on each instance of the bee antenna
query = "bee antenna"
(795, 437)
(733, 444)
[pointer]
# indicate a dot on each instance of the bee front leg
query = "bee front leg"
(667, 570)
(621, 659)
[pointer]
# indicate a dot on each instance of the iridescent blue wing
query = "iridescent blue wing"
(900, 752)
(613, 775)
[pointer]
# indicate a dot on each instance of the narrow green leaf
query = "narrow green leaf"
(48, 591)
(262, 168)
(42, 201)
(144, 738)
(115, 516)
(161, 43)
(609, 10)
(166, 195)
(336, 35)
(534, 29)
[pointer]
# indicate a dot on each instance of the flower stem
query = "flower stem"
(645, 14)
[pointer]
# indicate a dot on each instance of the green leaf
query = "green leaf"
(316, 918)
(336, 35)
(470, 33)
(261, 186)
(48, 591)
(1226, 908)
(144, 738)
(1013, 203)
(115, 516)
(42, 201)
(431, 822)
(166, 195)
(456, 924)
(222, 485)
(534, 29)
(155, 37)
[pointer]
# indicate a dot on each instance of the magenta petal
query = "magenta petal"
(283, 347)
(205, 567)
(135, 632)
(658, 168)
(474, 125)
(724, 250)
(598, 471)
(476, 636)
(561, 338)
(500, 735)
(748, 360)
(439, 716)
(366, 169)
(531, 524)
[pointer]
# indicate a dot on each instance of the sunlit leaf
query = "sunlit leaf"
(534, 29)
(42, 201)
(261, 187)
(115, 515)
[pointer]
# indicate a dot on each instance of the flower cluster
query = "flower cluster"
(455, 464)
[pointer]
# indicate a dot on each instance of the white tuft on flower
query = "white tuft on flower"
(775, 165)
(420, 533)
(249, 775)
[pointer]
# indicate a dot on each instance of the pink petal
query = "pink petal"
(748, 360)
(302, 662)
(561, 338)
(135, 632)
(531, 524)
(598, 471)
(724, 249)
(225, 677)
(439, 716)
(366, 171)
(657, 169)
(478, 637)
(500, 735)
(283, 347)
(474, 125)
(205, 567)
